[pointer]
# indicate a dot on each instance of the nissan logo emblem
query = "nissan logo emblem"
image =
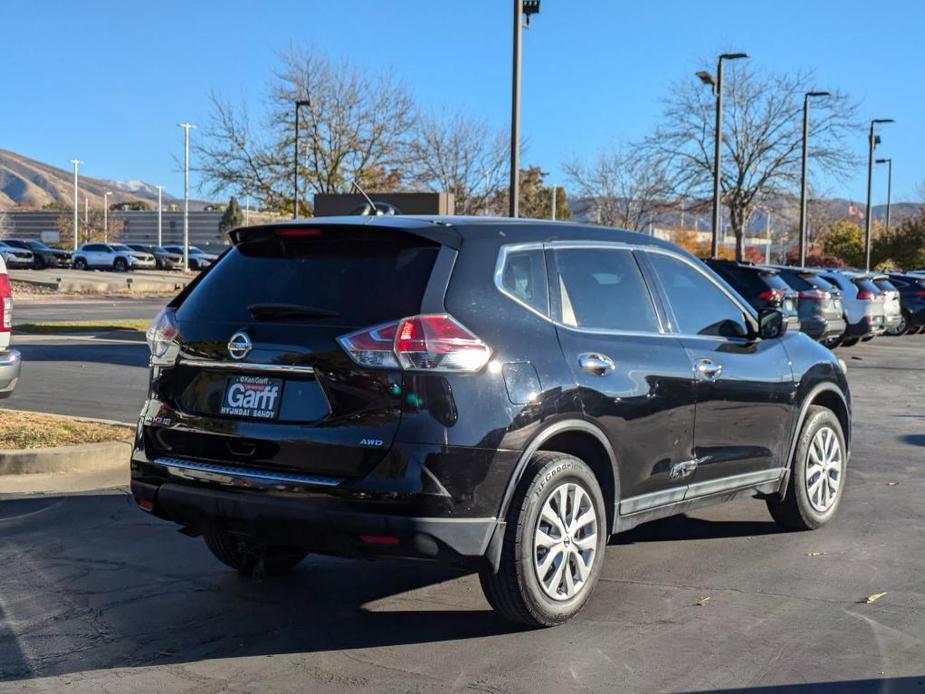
(239, 346)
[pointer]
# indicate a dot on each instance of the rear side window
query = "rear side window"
(523, 277)
(866, 285)
(746, 282)
(353, 279)
(604, 290)
(699, 306)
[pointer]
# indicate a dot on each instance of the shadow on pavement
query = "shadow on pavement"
(74, 351)
(914, 439)
(90, 582)
(887, 685)
(686, 528)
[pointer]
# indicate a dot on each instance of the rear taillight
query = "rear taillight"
(814, 295)
(865, 295)
(433, 342)
(162, 332)
(6, 305)
(772, 295)
(920, 292)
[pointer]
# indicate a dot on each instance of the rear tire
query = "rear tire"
(245, 556)
(817, 474)
(550, 563)
(849, 342)
(80, 264)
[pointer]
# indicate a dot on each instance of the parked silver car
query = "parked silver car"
(16, 257)
(892, 308)
(198, 259)
(101, 256)
(863, 304)
(140, 259)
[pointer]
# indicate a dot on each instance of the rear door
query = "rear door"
(261, 378)
(745, 390)
(634, 380)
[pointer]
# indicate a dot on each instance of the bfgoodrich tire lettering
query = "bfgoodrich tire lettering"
(817, 474)
(518, 591)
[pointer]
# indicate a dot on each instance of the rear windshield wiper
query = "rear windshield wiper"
(288, 312)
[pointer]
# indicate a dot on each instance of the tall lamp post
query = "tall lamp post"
(522, 8)
(803, 181)
(76, 163)
(717, 84)
(186, 128)
(295, 159)
(106, 216)
(889, 188)
(873, 140)
(160, 240)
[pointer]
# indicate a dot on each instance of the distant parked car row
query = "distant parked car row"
(834, 307)
(119, 257)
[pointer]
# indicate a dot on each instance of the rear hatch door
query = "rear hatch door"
(261, 379)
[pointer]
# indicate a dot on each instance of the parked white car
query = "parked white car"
(102, 256)
(140, 259)
(10, 359)
(15, 257)
(198, 259)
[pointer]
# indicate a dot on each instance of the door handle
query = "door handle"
(709, 369)
(597, 364)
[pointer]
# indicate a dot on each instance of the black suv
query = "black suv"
(762, 287)
(44, 256)
(502, 394)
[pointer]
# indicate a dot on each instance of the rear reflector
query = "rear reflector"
(146, 505)
(379, 539)
(432, 342)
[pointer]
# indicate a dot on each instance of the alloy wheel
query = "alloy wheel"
(565, 541)
(824, 464)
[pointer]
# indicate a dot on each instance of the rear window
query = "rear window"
(747, 282)
(775, 282)
(867, 285)
(886, 285)
(364, 279)
(795, 280)
(821, 284)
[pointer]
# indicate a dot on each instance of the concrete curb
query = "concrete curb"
(91, 457)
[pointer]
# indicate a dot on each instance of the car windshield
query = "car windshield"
(15, 243)
(193, 249)
(38, 245)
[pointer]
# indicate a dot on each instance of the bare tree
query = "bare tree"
(455, 153)
(353, 126)
(629, 188)
(762, 138)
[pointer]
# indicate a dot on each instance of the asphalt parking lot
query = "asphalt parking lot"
(97, 596)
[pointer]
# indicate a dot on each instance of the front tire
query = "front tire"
(817, 474)
(246, 556)
(120, 265)
(80, 264)
(553, 544)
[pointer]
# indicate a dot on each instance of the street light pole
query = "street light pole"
(295, 160)
(76, 163)
(160, 240)
(522, 8)
(872, 142)
(803, 181)
(889, 188)
(106, 216)
(186, 128)
(717, 84)
(555, 190)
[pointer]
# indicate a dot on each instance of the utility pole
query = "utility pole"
(186, 128)
(295, 159)
(160, 240)
(522, 8)
(247, 210)
(76, 163)
(86, 210)
(873, 141)
(555, 190)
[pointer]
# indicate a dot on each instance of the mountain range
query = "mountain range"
(29, 184)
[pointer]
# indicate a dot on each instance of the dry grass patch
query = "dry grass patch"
(34, 430)
(60, 327)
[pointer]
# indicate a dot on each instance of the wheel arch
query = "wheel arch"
(827, 395)
(583, 440)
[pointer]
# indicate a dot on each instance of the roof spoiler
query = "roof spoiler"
(442, 234)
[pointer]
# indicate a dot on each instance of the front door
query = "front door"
(634, 380)
(745, 390)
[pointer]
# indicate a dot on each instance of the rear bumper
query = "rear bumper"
(868, 325)
(319, 527)
(892, 322)
(823, 328)
(10, 364)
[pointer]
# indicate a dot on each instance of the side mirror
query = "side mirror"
(771, 323)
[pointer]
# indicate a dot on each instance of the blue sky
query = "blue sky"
(107, 81)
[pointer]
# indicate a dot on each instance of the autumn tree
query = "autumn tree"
(535, 197)
(762, 138)
(352, 126)
(96, 226)
(629, 188)
(844, 239)
(904, 244)
(459, 154)
(233, 216)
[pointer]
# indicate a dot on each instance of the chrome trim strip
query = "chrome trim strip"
(246, 366)
(230, 473)
(643, 502)
(725, 484)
